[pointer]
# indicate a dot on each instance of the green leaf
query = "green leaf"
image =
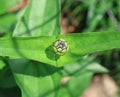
(84, 65)
(31, 48)
(40, 18)
(87, 43)
(79, 45)
(33, 78)
(43, 80)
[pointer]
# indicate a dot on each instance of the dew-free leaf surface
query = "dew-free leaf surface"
(40, 48)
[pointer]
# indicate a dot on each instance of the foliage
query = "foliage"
(27, 37)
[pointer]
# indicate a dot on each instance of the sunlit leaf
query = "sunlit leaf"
(79, 45)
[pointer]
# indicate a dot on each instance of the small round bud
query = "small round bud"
(60, 46)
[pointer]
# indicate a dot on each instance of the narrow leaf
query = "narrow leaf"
(40, 48)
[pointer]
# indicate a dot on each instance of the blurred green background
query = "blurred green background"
(95, 16)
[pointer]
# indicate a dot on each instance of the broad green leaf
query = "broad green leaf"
(79, 45)
(41, 17)
(35, 80)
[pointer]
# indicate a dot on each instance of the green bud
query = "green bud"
(60, 47)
